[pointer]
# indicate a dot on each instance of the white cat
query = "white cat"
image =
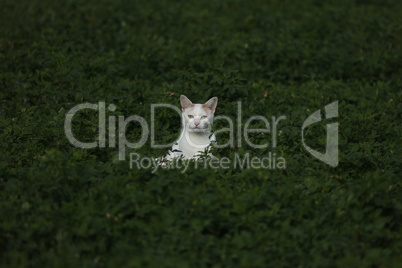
(196, 135)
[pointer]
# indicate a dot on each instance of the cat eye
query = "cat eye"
(190, 116)
(204, 117)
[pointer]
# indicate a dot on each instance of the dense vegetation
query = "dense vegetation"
(65, 206)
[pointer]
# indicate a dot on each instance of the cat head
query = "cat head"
(198, 117)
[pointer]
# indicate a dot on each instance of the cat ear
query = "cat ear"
(211, 104)
(185, 102)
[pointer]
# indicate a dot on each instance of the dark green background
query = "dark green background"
(61, 206)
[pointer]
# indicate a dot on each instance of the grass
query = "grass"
(62, 206)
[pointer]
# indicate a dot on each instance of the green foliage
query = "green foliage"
(64, 206)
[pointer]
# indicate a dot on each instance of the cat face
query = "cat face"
(198, 117)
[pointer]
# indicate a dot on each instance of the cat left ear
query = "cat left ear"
(211, 104)
(185, 102)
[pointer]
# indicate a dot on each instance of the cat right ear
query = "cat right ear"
(185, 102)
(211, 104)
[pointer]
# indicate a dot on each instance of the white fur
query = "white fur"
(196, 135)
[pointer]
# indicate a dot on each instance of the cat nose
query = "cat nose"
(196, 123)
